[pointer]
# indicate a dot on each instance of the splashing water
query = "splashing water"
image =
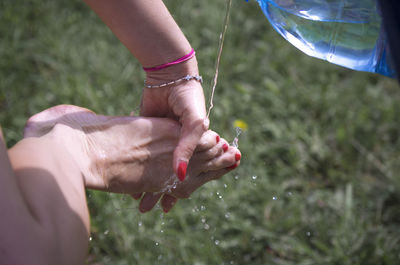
(235, 142)
(170, 184)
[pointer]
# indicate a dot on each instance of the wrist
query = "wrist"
(67, 147)
(78, 146)
(173, 72)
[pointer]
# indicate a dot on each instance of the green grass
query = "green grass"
(318, 183)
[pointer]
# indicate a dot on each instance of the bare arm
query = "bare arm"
(42, 178)
(146, 28)
(43, 205)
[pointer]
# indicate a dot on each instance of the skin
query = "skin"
(67, 149)
(43, 205)
(150, 33)
(44, 176)
(138, 158)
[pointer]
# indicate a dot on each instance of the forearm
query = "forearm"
(146, 28)
(45, 213)
(16, 221)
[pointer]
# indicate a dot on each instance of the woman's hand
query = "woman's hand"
(183, 102)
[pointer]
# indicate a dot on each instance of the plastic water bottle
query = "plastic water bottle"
(344, 32)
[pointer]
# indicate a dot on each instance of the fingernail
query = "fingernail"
(225, 147)
(237, 156)
(232, 167)
(218, 138)
(182, 171)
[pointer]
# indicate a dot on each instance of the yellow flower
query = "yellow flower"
(241, 124)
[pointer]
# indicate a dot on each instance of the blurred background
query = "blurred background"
(318, 182)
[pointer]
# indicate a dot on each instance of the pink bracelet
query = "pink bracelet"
(177, 61)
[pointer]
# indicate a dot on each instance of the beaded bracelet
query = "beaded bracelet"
(198, 78)
(177, 61)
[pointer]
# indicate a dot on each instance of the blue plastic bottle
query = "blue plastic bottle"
(344, 32)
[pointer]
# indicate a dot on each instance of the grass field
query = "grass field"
(318, 183)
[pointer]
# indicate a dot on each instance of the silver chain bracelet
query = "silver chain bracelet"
(198, 78)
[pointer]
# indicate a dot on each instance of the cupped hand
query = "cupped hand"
(133, 155)
(184, 102)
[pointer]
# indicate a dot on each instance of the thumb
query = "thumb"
(191, 133)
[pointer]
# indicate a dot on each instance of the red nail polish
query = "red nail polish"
(182, 171)
(225, 147)
(218, 138)
(237, 156)
(232, 167)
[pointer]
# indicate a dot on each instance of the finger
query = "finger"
(137, 196)
(228, 160)
(148, 201)
(191, 133)
(213, 152)
(207, 141)
(167, 202)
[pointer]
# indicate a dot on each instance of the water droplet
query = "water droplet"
(289, 193)
(106, 232)
(308, 233)
(254, 177)
(156, 243)
(225, 186)
(206, 226)
(140, 223)
(237, 177)
(203, 220)
(274, 198)
(227, 215)
(217, 242)
(170, 184)
(202, 207)
(90, 238)
(219, 195)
